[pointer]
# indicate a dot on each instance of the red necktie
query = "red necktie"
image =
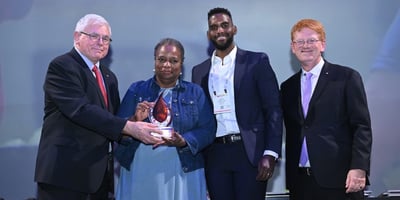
(100, 83)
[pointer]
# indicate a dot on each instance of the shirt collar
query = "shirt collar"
(87, 61)
(316, 70)
(226, 60)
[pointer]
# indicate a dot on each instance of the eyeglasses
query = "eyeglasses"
(95, 37)
(302, 42)
(163, 60)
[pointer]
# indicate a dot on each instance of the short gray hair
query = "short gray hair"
(90, 19)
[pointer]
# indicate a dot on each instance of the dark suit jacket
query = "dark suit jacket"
(257, 104)
(77, 128)
(337, 127)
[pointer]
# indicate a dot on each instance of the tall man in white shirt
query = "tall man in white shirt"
(245, 95)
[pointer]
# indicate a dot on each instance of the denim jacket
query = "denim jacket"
(192, 118)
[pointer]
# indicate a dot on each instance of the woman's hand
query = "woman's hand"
(142, 111)
(175, 140)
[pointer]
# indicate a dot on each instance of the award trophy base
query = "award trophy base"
(166, 132)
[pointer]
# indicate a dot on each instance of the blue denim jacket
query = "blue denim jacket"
(192, 118)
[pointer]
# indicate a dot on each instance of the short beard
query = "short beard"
(223, 47)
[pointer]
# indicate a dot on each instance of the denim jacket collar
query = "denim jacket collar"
(179, 86)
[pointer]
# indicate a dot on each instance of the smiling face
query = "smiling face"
(93, 49)
(308, 47)
(221, 31)
(168, 65)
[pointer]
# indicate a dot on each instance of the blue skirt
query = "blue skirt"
(156, 174)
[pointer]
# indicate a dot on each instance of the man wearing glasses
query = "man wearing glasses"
(74, 158)
(328, 127)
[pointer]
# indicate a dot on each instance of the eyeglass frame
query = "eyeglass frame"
(310, 41)
(96, 37)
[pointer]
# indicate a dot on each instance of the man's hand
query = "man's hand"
(142, 131)
(356, 180)
(266, 168)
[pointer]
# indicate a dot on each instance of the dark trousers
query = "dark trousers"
(105, 192)
(230, 175)
(307, 189)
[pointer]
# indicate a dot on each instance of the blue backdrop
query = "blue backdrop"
(362, 34)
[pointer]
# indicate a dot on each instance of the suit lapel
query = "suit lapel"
(104, 73)
(204, 79)
(106, 78)
(240, 68)
(323, 80)
(82, 63)
(297, 93)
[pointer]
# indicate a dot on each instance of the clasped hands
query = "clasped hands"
(141, 113)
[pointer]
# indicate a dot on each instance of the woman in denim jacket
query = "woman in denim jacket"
(174, 168)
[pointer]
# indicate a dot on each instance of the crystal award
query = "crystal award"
(160, 115)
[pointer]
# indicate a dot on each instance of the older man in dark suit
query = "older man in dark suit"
(74, 159)
(328, 128)
(245, 94)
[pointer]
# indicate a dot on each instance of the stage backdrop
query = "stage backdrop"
(362, 34)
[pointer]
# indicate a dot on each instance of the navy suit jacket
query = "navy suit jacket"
(257, 102)
(77, 127)
(337, 126)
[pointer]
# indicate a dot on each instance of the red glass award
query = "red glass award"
(160, 115)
